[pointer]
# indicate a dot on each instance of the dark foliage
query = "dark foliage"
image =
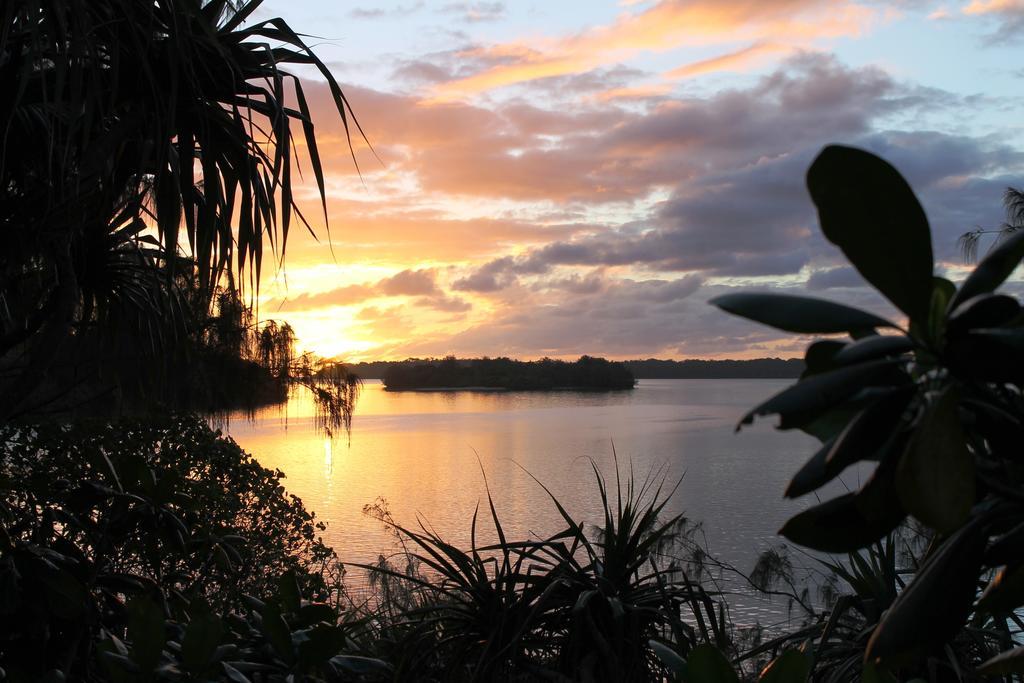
(595, 602)
(504, 373)
(651, 368)
(758, 368)
(939, 406)
(119, 116)
(120, 540)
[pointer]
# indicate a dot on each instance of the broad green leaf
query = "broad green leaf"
(813, 474)
(815, 394)
(838, 526)
(316, 612)
(361, 666)
(992, 271)
(322, 642)
(1007, 549)
(935, 476)
(791, 666)
(288, 592)
(868, 210)
(935, 605)
(820, 356)
(800, 314)
(202, 637)
(1004, 664)
(233, 674)
(707, 665)
(863, 438)
(669, 658)
(942, 292)
(877, 346)
(872, 674)
(1005, 593)
(984, 310)
(146, 631)
(277, 632)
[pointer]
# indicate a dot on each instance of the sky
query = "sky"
(571, 177)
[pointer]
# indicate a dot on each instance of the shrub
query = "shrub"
(937, 403)
(169, 517)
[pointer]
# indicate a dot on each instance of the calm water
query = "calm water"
(420, 451)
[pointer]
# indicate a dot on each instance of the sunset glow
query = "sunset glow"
(558, 179)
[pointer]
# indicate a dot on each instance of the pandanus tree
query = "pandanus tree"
(141, 144)
(936, 405)
(1013, 201)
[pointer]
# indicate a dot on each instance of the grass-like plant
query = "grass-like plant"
(587, 603)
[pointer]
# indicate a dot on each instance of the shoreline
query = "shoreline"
(501, 389)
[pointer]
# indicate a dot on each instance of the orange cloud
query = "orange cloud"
(993, 6)
(729, 61)
(668, 25)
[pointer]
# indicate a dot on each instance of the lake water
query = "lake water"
(422, 452)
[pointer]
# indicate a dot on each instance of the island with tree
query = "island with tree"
(650, 368)
(586, 373)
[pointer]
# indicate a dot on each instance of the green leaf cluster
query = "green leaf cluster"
(934, 402)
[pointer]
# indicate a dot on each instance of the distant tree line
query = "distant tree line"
(505, 373)
(757, 368)
(651, 368)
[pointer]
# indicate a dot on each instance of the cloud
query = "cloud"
(474, 12)
(627, 317)
(540, 227)
(830, 278)
(667, 25)
(728, 61)
(408, 283)
(384, 12)
(448, 304)
(1009, 15)
(404, 283)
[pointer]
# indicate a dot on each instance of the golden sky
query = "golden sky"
(580, 177)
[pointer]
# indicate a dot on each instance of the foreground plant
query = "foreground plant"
(129, 552)
(588, 603)
(936, 402)
(119, 115)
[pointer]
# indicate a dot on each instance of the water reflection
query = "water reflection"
(418, 451)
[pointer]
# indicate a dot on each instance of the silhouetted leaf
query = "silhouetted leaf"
(838, 526)
(707, 665)
(815, 394)
(935, 476)
(820, 356)
(868, 210)
(791, 666)
(1005, 593)
(981, 311)
(992, 271)
(870, 348)
(277, 632)
(233, 674)
(1007, 549)
(361, 666)
(288, 592)
(871, 674)
(934, 328)
(146, 631)
(322, 642)
(669, 658)
(862, 439)
(935, 605)
(801, 314)
(1004, 664)
(850, 521)
(202, 637)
